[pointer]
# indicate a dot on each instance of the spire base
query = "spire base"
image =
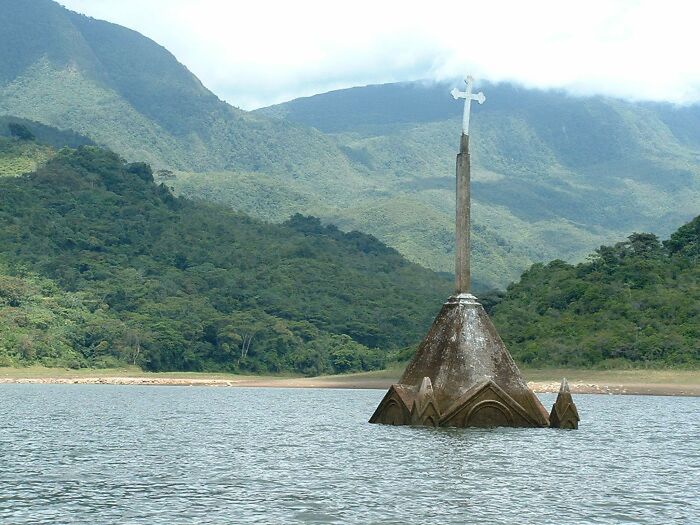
(464, 372)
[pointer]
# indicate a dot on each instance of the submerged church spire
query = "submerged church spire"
(462, 374)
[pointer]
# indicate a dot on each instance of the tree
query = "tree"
(20, 131)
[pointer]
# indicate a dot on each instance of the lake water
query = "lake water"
(170, 455)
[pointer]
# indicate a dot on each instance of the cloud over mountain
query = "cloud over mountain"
(258, 53)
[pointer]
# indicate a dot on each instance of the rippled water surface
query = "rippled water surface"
(162, 455)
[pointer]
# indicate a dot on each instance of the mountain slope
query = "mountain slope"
(554, 175)
(128, 93)
(184, 285)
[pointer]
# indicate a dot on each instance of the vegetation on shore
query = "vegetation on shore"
(635, 303)
(102, 267)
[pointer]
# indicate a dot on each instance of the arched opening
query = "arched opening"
(489, 413)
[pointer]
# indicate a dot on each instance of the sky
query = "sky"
(256, 53)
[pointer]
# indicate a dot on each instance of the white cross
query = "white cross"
(468, 96)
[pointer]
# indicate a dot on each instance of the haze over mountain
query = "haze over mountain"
(554, 176)
(284, 50)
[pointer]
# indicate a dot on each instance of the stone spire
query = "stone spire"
(564, 413)
(463, 204)
(462, 374)
(463, 220)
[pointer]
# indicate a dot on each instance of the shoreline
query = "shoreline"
(659, 383)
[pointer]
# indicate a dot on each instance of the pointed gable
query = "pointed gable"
(487, 405)
(395, 408)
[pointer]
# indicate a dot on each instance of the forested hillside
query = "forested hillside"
(100, 265)
(636, 302)
(42, 324)
(554, 176)
(25, 145)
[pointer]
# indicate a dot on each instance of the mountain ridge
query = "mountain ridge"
(548, 164)
(553, 176)
(131, 94)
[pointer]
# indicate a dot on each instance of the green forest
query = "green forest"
(634, 303)
(104, 261)
(101, 266)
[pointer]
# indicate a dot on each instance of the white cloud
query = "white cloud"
(257, 53)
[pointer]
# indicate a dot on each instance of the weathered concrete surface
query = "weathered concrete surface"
(564, 413)
(474, 380)
(463, 218)
(425, 410)
(462, 374)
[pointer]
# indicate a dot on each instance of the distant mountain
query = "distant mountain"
(100, 266)
(126, 92)
(554, 175)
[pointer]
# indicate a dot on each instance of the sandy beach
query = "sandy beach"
(629, 382)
